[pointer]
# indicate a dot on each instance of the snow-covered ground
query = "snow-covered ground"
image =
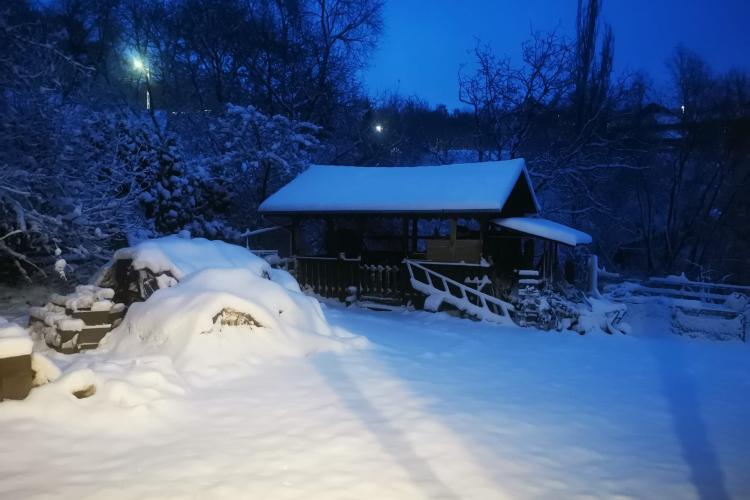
(434, 407)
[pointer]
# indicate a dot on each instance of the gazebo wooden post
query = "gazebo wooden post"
(330, 237)
(293, 237)
(361, 222)
(454, 236)
(484, 225)
(553, 261)
(405, 235)
(414, 235)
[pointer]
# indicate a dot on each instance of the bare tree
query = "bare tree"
(508, 101)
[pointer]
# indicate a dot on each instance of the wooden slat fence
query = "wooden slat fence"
(342, 278)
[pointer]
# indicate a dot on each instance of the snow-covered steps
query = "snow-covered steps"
(69, 323)
(440, 288)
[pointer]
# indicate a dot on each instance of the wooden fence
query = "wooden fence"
(698, 307)
(353, 279)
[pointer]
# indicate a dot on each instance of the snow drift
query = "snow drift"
(219, 321)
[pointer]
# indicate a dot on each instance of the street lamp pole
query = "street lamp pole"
(139, 65)
(148, 89)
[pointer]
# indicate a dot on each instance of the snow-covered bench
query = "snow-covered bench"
(716, 323)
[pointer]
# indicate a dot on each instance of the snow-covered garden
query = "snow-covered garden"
(374, 249)
(231, 383)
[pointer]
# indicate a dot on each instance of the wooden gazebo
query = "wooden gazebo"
(355, 230)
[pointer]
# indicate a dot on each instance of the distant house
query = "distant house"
(471, 223)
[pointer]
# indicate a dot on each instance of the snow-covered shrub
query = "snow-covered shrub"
(601, 315)
(184, 195)
(81, 201)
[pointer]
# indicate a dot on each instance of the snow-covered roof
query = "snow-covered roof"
(544, 228)
(461, 187)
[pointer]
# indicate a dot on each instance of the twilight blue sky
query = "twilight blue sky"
(425, 41)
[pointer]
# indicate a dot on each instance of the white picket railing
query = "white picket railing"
(465, 298)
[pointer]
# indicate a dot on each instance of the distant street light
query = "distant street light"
(142, 67)
(379, 128)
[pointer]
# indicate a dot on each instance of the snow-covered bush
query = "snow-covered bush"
(184, 195)
(76, 198)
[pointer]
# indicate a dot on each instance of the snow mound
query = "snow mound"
(183, 256)
(45, 371)
(106, 390)
(14, 340)
(217, 322)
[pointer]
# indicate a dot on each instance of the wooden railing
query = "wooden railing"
(467, 274)
(383, 281)
(327, 276)
(465, 298)
(353, 279)
(677, 287)
(698, 307)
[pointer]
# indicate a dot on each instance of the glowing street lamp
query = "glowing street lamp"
(142, 67)
(138, 64)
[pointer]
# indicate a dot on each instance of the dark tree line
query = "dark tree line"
(244, 94)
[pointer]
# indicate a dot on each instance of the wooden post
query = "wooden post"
(484, 224)
(293, 237)
(330, 238)
(594, 276)
(553, 261)
(550, 250)
(454, 235)
(361, 230)
(414, 235)
(405, 236)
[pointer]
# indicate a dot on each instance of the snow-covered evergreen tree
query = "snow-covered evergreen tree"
(185, 196)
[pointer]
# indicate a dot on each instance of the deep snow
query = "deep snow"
(437, 407)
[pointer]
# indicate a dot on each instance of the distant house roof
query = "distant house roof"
(544, 228)
(502, 187)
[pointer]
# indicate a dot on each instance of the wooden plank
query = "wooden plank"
(700, 284)
(414, 235)
(679, 293)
